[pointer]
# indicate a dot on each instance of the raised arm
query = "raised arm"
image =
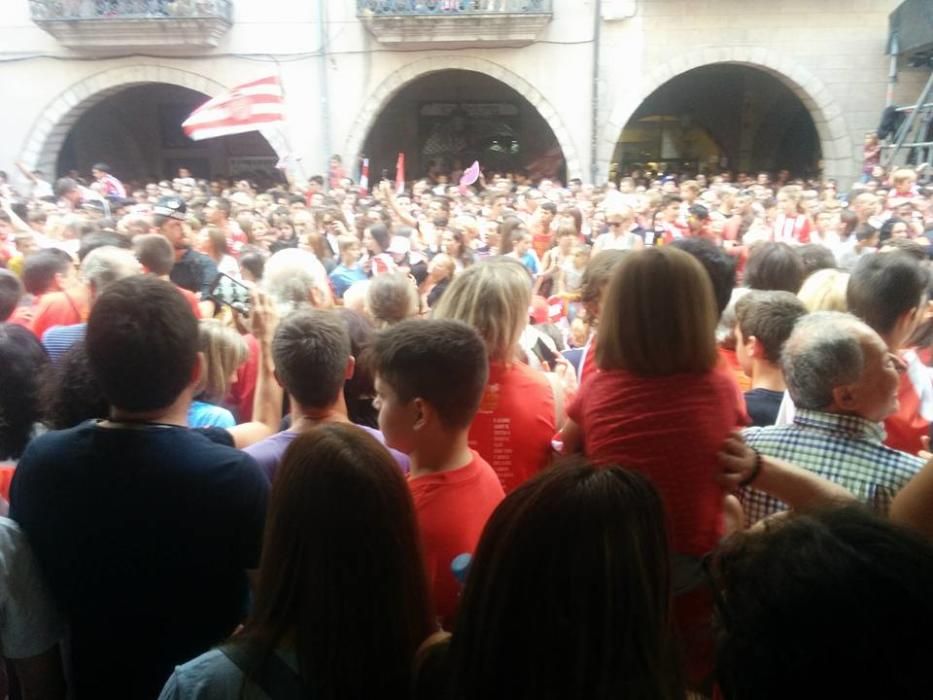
(15, 219)
(913, 504)
(27, 173)
(267, 403)
(386, 189)
(798, 488)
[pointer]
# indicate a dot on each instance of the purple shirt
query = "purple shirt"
(268, 453)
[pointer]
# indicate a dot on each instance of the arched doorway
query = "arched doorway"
(721, 116)
(446, 119)
(137, 131)
(50, 132)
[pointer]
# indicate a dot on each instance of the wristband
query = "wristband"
(755, 469)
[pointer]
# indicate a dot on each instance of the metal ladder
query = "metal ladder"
(912, 133)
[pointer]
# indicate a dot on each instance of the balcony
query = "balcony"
(134, 24)
(447, 24)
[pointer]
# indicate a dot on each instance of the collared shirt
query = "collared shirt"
(58, 340)
(847, 450)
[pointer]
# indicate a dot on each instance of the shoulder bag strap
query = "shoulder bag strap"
(276, 678)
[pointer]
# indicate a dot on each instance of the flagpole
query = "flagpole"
(323, 86)
(287, 127)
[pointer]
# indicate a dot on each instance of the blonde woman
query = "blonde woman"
(792, 225)
(517, 417)
(825, 290)
(224, 352)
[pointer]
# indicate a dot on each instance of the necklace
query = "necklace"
(133, 425)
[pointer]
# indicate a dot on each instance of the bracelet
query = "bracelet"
(755, 469)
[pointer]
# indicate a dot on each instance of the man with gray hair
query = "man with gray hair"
(844, 383)
(296, 279)
(101, 267)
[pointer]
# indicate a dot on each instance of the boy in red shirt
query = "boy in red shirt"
(430, 377)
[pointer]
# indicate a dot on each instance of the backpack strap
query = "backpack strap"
(275, 678)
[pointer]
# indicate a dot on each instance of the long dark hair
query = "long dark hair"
(341, 578)
(22, 362)
(569, 594)
(70, 394)
(507, 229)
(358, 390)
(825, 593)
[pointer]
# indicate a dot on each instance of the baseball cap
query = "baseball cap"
(400, 245)
(172, 207)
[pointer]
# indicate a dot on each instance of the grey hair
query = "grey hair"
(392, 298)
(289, 277)
(107, 264)
(823, 352)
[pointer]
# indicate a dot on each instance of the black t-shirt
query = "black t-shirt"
(195, 272)
(763, 406)
(435, 294)
(144, 534)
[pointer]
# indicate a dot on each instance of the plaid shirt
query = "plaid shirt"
(847, 450)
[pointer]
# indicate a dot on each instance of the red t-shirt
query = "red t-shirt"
(515, 423)
(670, 429)
(452, 509)
(58, 309)
(730, 361)
(243, 390)
(906, 427)
(192, 300)
(541, 242)
(588, 366)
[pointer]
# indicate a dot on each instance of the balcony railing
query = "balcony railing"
(404, 8)
(84, 24)
(413, 24)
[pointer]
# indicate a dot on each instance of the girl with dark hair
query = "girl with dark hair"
(22, 362)
(376, 241)
(70, 393)
(511, 229)
(810, 603)
(456, 247)
(774, 267)
(341, 601)
(358, 390)
(568, 595)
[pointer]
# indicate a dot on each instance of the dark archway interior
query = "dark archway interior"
(137, 131)
(721, 116)
(444, 121)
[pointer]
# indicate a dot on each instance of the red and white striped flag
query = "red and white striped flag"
(400, 174)
(246, 107)
(364, 177)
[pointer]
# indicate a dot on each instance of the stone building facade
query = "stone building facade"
(343, 62)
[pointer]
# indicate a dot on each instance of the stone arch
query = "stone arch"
(834, 134)
(48, 134)
(383, 94)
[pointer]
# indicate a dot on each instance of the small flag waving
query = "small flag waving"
(470, 175)
(400, 174)
(364, 177)
(246, 107)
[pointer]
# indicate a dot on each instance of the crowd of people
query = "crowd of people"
(659, 438)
